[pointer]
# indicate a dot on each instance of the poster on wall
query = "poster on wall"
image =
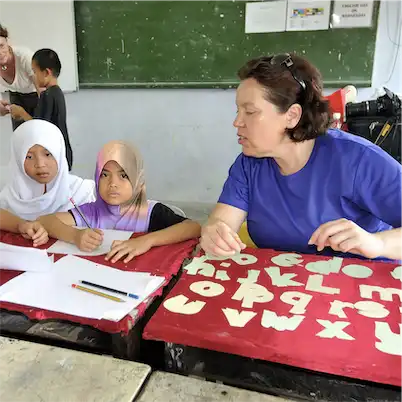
(352, 14)
(308, 15)
(266, 16)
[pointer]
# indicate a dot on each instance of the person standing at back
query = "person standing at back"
(52, 106)
(16, 77)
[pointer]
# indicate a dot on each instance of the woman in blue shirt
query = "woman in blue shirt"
(302, 186)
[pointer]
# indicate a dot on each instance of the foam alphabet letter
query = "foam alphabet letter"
(281, 323)
(252, 293)
(238, 318)
(178, 304)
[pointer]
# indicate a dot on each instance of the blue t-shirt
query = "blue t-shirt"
(345, 177)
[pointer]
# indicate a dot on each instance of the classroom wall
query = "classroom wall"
(186, 135)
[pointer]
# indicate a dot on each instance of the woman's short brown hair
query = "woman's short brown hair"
(284, 87)
(3, 32)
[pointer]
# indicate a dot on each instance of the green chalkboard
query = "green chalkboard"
(201, 44)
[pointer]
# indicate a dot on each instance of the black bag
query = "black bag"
(370, 127)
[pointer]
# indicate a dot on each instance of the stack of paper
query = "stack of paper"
(109, 236)
(53, 290)
(24, 259)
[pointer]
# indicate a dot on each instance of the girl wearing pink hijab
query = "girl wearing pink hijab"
(121, 204)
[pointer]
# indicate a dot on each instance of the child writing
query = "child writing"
(39, 181)
(51, 106)
(121, 204)
(29, 230)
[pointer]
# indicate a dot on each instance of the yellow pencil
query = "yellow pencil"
(95, 292)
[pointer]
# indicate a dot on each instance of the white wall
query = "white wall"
(185, 135)
(387, 69)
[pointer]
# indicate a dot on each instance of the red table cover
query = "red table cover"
(164, 261)
(288, 310)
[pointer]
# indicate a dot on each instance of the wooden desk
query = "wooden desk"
(123, 338)
(40, 373)
(304, 326)
(168, 387)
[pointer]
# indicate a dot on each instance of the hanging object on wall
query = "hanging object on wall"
(352, 14)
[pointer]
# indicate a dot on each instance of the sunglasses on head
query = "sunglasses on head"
(285, 59)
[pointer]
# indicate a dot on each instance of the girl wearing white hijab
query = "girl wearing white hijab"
(40, 183)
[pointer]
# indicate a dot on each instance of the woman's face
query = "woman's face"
(261, 128)
(40, 164)
(4, 50)
(114, 185)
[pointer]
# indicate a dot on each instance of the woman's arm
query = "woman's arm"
(231, 216)
(392, 243)
(377, 190)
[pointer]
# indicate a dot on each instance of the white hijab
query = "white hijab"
(24, 196)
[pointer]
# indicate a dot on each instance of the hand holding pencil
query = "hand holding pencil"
(88, 239)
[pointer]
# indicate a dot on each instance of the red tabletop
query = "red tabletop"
(164, 261)
(332, 315)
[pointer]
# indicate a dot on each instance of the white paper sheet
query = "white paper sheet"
(24, 258)
(352, 14)
(53, 291)
(109, 236)
(268, 16)
(308, 15)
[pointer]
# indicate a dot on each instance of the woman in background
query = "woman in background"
(16, 77)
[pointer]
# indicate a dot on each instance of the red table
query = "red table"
(330, 315)
(165, 261)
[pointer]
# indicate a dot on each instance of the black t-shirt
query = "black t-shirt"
(52, 107)
(162, 217)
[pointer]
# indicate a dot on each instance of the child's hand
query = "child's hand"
(129, 248)
(17, 111)
(88, 239)
(35, 231)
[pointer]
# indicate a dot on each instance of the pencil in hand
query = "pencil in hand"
(80, 212)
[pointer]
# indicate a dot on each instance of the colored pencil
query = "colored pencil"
(120, 292)
(95, 292)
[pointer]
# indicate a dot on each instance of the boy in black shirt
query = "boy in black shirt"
(51, 106)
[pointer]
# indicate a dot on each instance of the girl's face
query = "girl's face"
(114, 185)
(40, 164)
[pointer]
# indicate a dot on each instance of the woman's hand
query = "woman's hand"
(88, 239)
(220, 240)
(129, 248)
(345, 236)
(34, 231)
(4, 108)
